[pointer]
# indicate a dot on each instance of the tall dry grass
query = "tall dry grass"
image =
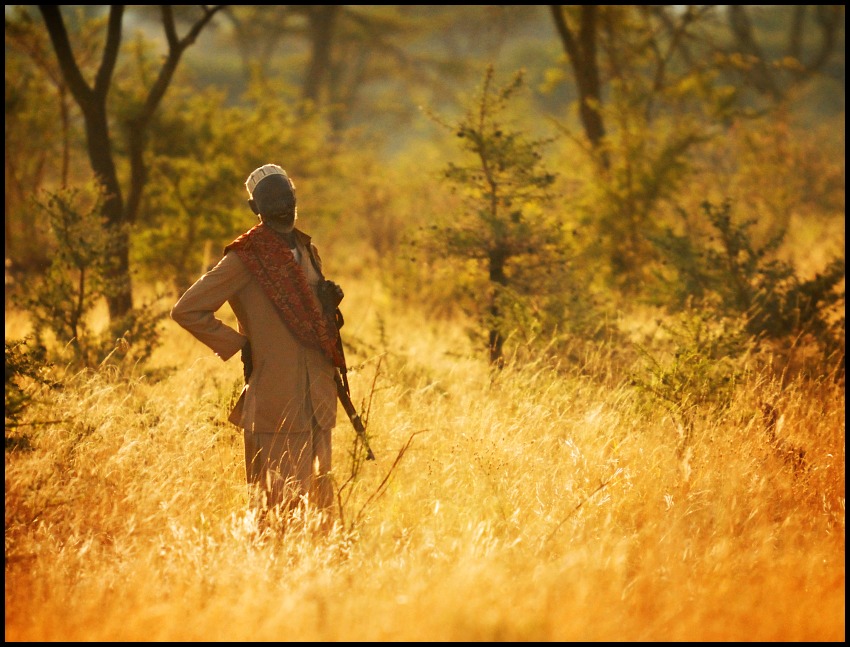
(542, 506)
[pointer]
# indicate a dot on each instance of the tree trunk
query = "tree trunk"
(497, 259)
(581, 51)
(322, 20)
(92, 102)
(119, 295)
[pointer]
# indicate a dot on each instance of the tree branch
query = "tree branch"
(110, 51)
(64, 54)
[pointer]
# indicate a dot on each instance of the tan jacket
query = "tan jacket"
(290, 382)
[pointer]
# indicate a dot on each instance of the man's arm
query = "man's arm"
(195, 311)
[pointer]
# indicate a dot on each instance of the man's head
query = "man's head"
(271, 195)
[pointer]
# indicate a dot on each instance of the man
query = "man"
(272, 278)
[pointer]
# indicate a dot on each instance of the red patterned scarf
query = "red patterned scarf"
(272, 263)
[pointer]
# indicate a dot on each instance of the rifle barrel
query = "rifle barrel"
(353, 416)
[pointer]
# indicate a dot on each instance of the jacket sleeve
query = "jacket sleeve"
(315, 251)
(195, 310)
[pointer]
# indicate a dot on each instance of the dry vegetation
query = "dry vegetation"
(543, 506)
(554, 500)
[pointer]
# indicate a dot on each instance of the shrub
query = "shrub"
(719, 268)
(26, 373)
(61, 303)
(504, 244)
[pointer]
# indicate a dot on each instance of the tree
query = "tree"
(92, 101)
(258, 31)
(322, 21)
(195, 159)
(797, 61)
(729, 277)
(643, 109)
(349, 50)
(504, 231)
(60, 300)
(581, 50)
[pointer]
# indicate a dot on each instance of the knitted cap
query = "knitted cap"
(263, 172)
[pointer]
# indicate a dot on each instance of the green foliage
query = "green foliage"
(733, 300)
(649, 163)
(193, 202)
(201, 151)
(726, 273)
(504, 233)
(26, 372)
(61, 302)
(658, 107)
(36, 133)
(694, 371)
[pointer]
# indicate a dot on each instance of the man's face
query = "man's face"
(275, 201)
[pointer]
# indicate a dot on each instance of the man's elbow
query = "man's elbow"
(178, 313)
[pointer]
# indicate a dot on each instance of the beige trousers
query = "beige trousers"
(288, 469)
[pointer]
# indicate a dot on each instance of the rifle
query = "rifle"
(348, 405)
(335, 318)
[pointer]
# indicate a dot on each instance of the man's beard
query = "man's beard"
(281, 223)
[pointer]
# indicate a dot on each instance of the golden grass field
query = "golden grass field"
(544, 506)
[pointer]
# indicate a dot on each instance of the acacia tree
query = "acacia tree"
(118, 212)
(322, 21)
(259, 31)
(772, 74)
(654, 84)
(504, 230)
(592, 37)
(349, 47)
(643, 110)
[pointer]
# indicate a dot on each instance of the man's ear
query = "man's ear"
(253, 204)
